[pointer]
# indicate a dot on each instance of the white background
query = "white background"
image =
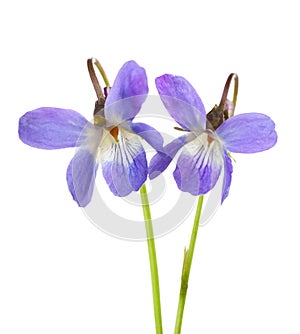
(60, 274)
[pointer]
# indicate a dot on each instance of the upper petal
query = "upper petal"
(51, 128)
(182, 101)
(124, 163)
(199, 166)
(127, 94)
(248, 133)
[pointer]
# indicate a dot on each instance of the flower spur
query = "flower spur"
(113, 139)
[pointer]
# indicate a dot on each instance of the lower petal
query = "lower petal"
(199, 166)
(161, 160)
(81, 175)
(82, 169)
(227, 176)
(124, 163)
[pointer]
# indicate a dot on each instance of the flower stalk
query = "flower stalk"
(226, 91)
(98, 89)
(186, 267)
(152, 259)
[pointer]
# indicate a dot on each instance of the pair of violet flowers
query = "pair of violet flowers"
(114, 140)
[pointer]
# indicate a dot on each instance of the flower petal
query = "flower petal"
(199, 166)
(127, 94)
(182, 101)
(81, 175)
(248, 133)
(147, 132)
(161, 160)
(124, 163)
(82, 169)
(51, 128)
(227, 176)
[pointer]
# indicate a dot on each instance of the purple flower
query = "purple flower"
(206, 146)
(113, 139)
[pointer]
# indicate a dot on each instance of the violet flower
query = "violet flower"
(206, 145)
(113, 139)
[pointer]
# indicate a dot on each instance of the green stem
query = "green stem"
(103, 74)
(152, 259)
(186, 267)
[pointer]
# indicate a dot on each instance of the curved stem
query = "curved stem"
(152, 259)
(236, 89)
(102, 72)
(226, 91)
(186, 267)
(98, 89)
(93, 76)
